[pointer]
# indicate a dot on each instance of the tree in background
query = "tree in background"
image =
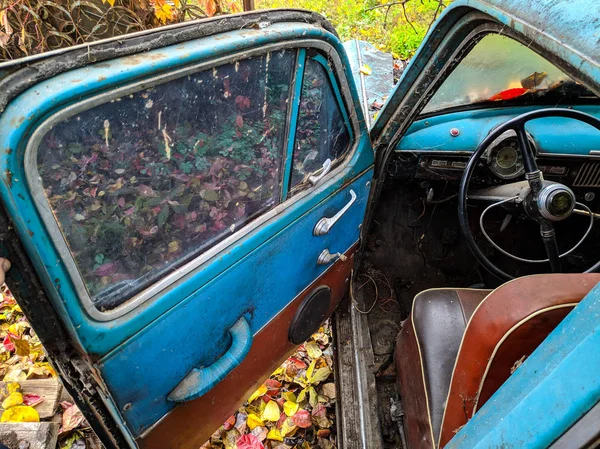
(34, 26)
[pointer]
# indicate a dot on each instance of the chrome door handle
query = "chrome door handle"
(314, 179)
(326, 257)
(325, 224)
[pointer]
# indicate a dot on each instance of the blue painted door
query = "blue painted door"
(181, 206)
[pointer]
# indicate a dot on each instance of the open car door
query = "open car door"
(181, 207)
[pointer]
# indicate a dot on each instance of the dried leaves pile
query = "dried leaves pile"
(22, 358)
(293, 409)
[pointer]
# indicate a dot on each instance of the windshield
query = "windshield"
(499, 68)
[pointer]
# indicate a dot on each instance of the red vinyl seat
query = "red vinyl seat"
(458, 346)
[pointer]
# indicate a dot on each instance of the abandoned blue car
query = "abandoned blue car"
(233, 178)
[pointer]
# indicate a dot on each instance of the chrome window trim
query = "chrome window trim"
(151, 293)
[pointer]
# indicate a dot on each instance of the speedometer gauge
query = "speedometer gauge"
(507, 157)
(504, 157)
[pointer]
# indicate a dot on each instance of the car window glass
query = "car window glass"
(499, 68)
(321, 133)
(146, 182)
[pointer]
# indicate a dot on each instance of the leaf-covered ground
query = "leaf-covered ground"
(22, 358)
(293, 409)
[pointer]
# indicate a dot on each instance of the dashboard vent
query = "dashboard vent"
(588, 175)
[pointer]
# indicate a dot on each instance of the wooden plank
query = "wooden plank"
(39, 435)
(49, 389)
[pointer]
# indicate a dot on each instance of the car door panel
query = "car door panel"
(257, 277)
(263, 281)
(95, 335)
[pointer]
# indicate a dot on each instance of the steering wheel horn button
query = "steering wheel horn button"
(556, 202)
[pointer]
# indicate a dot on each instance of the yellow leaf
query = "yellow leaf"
(5, 22)
(258, 393)
(21, 346)
(20, 413)
(271, 412)
(15, 375)
(365, 69)
(312, 397)
(290, 408)
(254, 421)
(13, 387)
(310, 369)
(177, 3)
(279, 371)
(302, 395)
(289, 396)
(110, 2)
(173, 246)
(288, 427)
(12, 400)
(274, 434)
(320, 375)
(313, 350)
(163, 12)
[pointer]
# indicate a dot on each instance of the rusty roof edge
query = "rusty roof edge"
(21, 74)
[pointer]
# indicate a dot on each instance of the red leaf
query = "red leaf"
(228, 425)
(249, 441)
(302, 419)
(298, 363)
(71, 418)
(273, 387)
(210, 8)
(272, 384)
(106, 270)
(319, 410)
(239, 121)
(282, 418)
(32, 399)
(8, 344)
(508, 94)
(242, 102)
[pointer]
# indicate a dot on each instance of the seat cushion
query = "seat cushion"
(425, 356)
(459, 346)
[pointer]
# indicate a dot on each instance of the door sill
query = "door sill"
(358, 424)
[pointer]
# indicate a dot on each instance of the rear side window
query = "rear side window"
(143, 183)
(322, 132)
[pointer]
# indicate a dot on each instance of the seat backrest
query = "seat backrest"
(506, 328)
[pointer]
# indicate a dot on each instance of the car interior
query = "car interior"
(456, 282)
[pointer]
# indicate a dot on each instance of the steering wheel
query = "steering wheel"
(542, 201)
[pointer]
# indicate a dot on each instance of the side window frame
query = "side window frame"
(52, 224)
(138, 310)
(303, 57)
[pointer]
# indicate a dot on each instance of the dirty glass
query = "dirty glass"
(500, 68)
(146, 182)
(321, 133)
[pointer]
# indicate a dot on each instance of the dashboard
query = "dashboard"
(567, 151)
